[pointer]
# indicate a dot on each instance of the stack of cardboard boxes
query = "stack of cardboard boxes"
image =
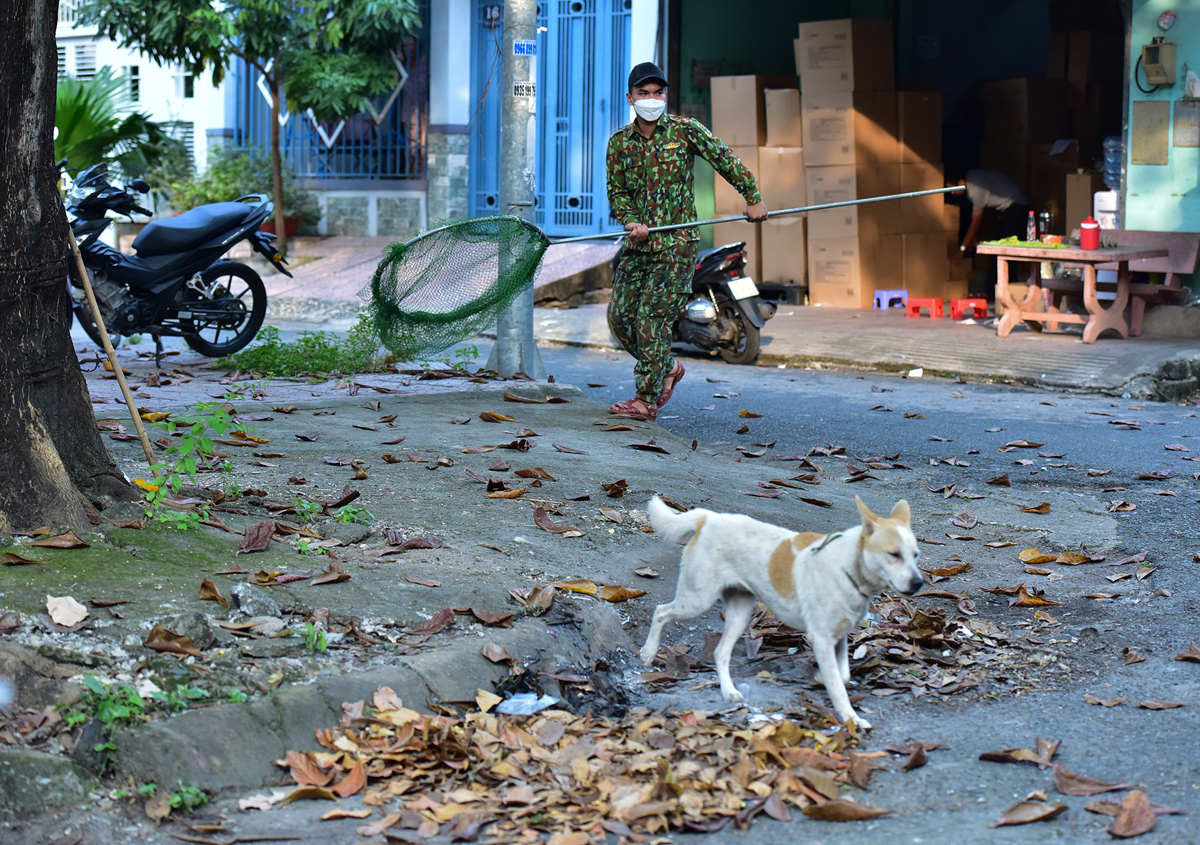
(759, 118)
(862, 138)
(1027, 132)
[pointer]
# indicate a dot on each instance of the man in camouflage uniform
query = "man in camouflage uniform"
(650, 183)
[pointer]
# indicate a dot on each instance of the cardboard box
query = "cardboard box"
(1081, 189)
(839, 183)
(1007, 157)
(849, 127)
(919, 126)
(1056, 56)
(845, 272)
(1048, 181)
(785, 251)
(1094, 58)
(1027, 110)
(926, 265)
(846, 55)
(922, 214)
(750, 234)
(739, 113)
(781, 177)
(726, 198)
(951, 217)
(784, 128)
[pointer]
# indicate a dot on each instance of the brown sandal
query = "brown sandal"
(675, 376)
(636, 409)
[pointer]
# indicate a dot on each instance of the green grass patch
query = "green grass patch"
(312, 352)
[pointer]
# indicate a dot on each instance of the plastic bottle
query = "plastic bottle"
(1089, 234)
(1114, 152)
(1031, 234)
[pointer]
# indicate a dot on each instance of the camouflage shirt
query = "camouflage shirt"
(650, 180)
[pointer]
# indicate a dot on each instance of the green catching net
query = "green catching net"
(451, 283)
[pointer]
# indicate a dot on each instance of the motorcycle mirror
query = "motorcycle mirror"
(140, 186)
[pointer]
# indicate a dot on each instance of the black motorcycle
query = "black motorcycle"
(726, 313)
(177, 284)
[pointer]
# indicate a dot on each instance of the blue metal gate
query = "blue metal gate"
(583, 59)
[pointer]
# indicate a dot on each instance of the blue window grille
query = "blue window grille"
(392, 149)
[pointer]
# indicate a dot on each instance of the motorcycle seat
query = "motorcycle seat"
(190, 229)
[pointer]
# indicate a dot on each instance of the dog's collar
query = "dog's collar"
(854, 583)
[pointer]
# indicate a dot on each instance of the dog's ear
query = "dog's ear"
(868, 516)
(902, 512)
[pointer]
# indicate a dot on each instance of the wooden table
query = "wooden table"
(1038, 306)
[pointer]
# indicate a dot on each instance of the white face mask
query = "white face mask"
(649, 109)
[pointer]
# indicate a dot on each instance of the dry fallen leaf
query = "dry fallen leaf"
(1044, 507)
(616, 593)
(424, 582)
(65, 611)
(210, 592)
(1192, 654)
(13, 559)
(1136, 816)
(1042, 757)
(1030, 811)
(491, 417)
(843, 810)
(66, 540)
(587, 588)
(1159, 704)
(1069, 783)
(160, 639)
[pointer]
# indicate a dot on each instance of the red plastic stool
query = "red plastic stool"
(977, 307)
(916, 303)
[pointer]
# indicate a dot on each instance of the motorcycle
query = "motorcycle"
(177, 284)
(726, 313)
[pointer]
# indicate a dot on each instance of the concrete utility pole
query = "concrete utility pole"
(515, 351)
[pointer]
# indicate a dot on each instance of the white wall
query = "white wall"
(161, 90)
(450, 62)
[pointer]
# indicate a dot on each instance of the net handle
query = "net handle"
(738, 217)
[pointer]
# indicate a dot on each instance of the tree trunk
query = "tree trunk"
(52, 461)
(277, 159)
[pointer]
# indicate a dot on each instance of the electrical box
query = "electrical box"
(1158, 60)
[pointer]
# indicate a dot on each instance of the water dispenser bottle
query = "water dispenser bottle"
(1114, 153)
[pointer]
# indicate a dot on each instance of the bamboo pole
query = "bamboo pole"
(108, 348)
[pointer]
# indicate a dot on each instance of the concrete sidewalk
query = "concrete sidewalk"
(1146, 367)
(1162, 364)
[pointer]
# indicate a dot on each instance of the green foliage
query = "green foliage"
(233, 173)
(96, 122)
(181, 697)
(179, 462)
(108, 703)
(188, 798)
(466, 358)
(238, 697)
(305, 509)
(352, 513)
(313, 352)
(147, 790)
(314, 637)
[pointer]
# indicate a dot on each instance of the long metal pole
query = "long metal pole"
(515, 352)
(801, 210)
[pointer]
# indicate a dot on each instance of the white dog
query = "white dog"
(819, 584)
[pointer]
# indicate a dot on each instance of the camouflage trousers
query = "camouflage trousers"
(650, 290)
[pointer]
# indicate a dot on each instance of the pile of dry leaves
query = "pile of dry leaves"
(514, 778)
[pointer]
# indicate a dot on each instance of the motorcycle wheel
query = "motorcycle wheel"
(746, 338)
(83, 313)
(241, 296)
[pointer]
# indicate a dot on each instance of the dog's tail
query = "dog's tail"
(670, 525)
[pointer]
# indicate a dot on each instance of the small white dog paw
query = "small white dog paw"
(863, 724)
(733, 695)
(647, 657)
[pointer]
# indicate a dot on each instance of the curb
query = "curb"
(232, 747)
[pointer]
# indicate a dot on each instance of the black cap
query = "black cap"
(644, 71)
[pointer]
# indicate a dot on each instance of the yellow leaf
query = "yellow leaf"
(154, 416)
(486, 700)
(586, 587)
(309, 792)
(745, 413)
(346, 814)
(1034, 556)
(146, 485)
(614, 592)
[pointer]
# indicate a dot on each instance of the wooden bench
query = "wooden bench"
(1183, 249)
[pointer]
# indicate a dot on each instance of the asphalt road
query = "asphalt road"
(1092, 450)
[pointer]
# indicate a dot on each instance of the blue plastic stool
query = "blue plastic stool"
(884, 298)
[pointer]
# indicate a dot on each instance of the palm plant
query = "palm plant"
(95, 121)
